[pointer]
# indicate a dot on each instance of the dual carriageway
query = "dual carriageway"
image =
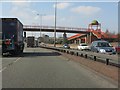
(46, 67)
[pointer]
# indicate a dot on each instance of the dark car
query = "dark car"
(66, 46)
(117, 48)
(102, 46)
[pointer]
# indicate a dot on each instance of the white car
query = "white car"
(83, 46)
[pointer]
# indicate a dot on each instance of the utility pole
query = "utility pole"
(41, 15)
(55, 24)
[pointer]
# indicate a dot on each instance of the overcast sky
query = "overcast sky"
(69, 13)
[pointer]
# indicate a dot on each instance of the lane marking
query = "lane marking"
(17, 59)
(3, 69)
(10, 64)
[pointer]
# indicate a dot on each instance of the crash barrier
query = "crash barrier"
(105, 58)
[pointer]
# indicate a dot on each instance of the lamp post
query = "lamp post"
(55, 24)
(41, 15)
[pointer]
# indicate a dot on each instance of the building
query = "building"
(95, 33)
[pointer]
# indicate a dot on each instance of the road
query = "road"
(42, 68)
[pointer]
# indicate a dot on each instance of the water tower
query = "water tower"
(94, 25)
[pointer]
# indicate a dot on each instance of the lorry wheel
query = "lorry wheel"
(21, 51)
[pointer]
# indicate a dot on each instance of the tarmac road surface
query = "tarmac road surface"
(42, 68)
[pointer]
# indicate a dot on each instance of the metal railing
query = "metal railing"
(105, 58)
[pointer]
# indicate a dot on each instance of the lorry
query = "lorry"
(30, 41)
(36, 43)
(12, 36)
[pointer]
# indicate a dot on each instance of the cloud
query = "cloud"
(62, 5)
(19, 3)
(21, 10)
(62, 19)
(49, 17)
(86, 10)
(24, 14)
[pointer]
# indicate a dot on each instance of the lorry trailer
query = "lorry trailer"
(31, 41)
(12, 36)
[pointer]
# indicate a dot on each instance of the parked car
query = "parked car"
(117, 48)
(66, 46)
(83, 46)
(102, 47)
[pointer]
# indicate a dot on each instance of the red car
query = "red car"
(117, 48)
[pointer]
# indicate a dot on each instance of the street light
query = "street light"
(41, 15)
(55, 24)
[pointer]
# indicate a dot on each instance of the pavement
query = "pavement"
(43, 68)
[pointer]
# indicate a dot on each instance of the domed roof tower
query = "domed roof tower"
(96, 24)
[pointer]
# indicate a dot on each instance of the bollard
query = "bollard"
(85, 55)
(94, 58)
(77, 54)
(72, 53)
(107, 61)
(67, 52)
(81, 55)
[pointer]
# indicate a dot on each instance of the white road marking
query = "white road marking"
(10, 63)
(3, 69)
(17, 59)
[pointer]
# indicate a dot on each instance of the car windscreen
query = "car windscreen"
(103, 44)
(83, 44)
(66, 45)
